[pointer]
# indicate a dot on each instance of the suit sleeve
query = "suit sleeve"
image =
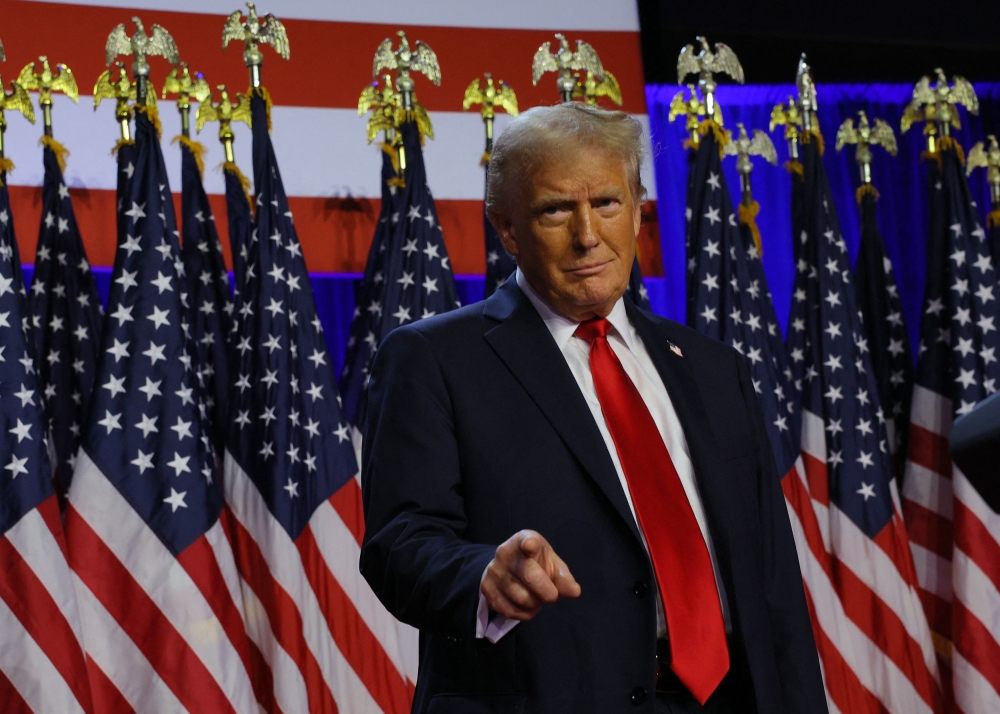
(414, 555)
(791, 630)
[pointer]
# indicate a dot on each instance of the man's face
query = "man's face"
(573, 232)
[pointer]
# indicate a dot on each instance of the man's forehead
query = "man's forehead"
(579, 173)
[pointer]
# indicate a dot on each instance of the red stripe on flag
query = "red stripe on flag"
(894, 542)
(11, 701)
(928, 529)
(929, 450)
(360, 647)
(200, 563)
(843, 685)
(107, 697)
(36, 609)
(976, 644)
(938, 611)
(282, 613)
(819, 487)
(335, 232)
(463, 53)
(348, 504)
(140, 618)
(972, 538)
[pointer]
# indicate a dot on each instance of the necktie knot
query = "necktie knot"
(592, 329)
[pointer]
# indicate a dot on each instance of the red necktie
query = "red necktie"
(698, 649)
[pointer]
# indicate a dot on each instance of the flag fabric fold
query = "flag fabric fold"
(240, 219)
(291, 486)
(66, 315)
(155, 576)
(955, 537)
(209, 298)
(872, 636)
(499, 263)
(884, 327)
(42, 662)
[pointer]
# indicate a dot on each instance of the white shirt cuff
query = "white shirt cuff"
(493, 629)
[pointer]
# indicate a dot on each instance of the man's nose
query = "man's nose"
(585, 234)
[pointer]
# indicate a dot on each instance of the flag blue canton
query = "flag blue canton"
(66, 320)
(208, 293)
(147, 429)
(831, 360)
(958, 330)
(499, 263)
(884, 326)
(362, 338)
(25, 474)
(240, 220)
(731, 299)
(416, 279)
(285, 425)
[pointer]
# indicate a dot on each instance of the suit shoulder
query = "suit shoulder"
(445, 327)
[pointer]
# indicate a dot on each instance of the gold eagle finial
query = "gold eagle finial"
(17, 101)
(692, 109)
(404, 60)
(490, 97)
(566, 61)
(45, 82)
(140, 46)
(186, 86)
(254, 32)
(706, 64)
(936, 103)
(114, 84)
(743, 147)
(384, 104)
(865, 136)
(590, 89)
(225, 112)
(987, 157)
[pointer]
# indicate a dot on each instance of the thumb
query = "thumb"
(563, 579)
(533, 545)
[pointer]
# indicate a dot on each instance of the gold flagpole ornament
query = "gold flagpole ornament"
(789, 116)
(692, 108)
(140, 46)
(706, 64)
(866, 136)
(404, 60)
(566, 61)
(590, 89)
(937, 105)
(17, 101)
(225, 112)
(384, 105)
(988, 157)
(807, 97)
(743, 147)
(45, 82)
(186, 86)
(254, 32)
(114, 84)
(490, 97)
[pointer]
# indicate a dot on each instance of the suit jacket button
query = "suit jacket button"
(639, 589)
(638, 696)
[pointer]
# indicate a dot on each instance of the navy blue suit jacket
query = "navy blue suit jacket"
(476, 429)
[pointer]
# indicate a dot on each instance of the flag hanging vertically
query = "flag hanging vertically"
(872, 635)
(209, 301)
(955, 536)
(66, 317)
(875, 287)
(162, 626)
(291, 485)
(42, 665)
(499, 263)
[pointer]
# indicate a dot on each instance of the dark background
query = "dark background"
(846, 40)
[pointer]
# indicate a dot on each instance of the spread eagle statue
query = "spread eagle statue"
(253, 32)
(936, 102)
(17, 101)
(490, 96)
(866, 135)
(47, 81)
(565, 61)
(181, 82)
(591, 89)
(981, 156)
(141, 45)
(706, 62)
(383, 104)
(114, 84)
(225, 112)
(744, 147)
(404, 60)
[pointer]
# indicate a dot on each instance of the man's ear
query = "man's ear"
(505, 230)
(637, 217)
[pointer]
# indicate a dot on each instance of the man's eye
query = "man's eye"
(551, 210)
(605, 202)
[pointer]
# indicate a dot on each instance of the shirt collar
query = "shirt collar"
(562, 328)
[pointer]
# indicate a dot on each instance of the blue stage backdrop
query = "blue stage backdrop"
(899, 180)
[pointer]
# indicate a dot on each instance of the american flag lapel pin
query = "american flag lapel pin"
(676, 350)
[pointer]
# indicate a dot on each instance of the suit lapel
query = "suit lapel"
(524, 344)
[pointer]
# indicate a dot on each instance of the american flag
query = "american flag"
(292, 489)
(240, 219)
(955, 537)
(414, 281)
(208, 293)
(154, 573)
(636, 288)
(871, 632)
(884, 327)
(362, 338)
(66, 315)
(499, 263)
(42, 665)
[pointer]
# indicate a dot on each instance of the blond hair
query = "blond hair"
(540, 133)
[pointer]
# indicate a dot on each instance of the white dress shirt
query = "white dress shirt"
(641, 370)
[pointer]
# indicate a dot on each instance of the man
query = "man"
(572, 499)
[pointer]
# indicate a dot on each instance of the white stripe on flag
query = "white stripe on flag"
(973, 693)
(933, 571)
